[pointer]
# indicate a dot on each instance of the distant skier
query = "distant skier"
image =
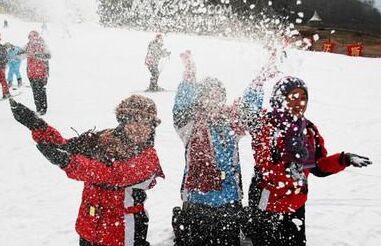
(116, 165)
(38, 56)
(5, 23)
(14, 62)
(3, 65)
(155, 52)
(287, 147)
(44, 28)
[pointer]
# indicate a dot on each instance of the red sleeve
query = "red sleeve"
(48, 136)
(327, 164)
(330, 164)
(136, 170)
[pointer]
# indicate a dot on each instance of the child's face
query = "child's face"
(213, 101)
(297, 102)
(138, 131)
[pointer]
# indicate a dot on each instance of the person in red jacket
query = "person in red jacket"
(3, 65)
(116, 165)
(288, 147)
(38, 56)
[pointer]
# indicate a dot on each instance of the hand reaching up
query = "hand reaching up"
(189, 66)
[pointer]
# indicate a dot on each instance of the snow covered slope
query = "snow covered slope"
(96, 67)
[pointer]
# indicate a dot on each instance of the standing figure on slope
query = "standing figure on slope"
(116, 165)
(38, 56)
(211, 190)
(44, 28)
(154, 54)
(288, 147)
(3, 66)
(14, 62)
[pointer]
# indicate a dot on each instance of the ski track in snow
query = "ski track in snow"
(97, 67)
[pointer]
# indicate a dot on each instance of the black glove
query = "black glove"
(44, 56)
(350, 159)
(54, 154)
(26, 116)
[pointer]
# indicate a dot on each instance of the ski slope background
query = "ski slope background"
(96, 67)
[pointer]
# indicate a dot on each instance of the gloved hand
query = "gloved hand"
(43, 56)
(26, 116)
(350, 159)
(54, 154)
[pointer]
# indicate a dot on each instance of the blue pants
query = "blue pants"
(14, 69)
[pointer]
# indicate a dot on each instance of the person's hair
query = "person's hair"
(210, 84)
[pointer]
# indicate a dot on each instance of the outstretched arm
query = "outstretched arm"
(41, 131)
(327, 165)
(134, 171)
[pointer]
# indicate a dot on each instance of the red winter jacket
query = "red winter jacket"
(37, 59)
(285, 193)
(107, 195)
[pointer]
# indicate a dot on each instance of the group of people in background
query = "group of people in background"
(118, 164)
(37, 54)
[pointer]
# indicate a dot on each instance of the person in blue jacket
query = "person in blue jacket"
(14, 62)
(211, 190)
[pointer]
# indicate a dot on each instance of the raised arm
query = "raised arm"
(186, 98)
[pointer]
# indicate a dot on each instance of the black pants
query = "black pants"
(154, 70)
(83, 242)
(39, 94)
(275, 229)
(141, 229)
(203, 225)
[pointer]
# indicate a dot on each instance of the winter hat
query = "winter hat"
(159, 36)
(210, 85)
(8, 45)
(33, 35)
(283, 87)
(137, 107)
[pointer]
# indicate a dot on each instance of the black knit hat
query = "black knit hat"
(283, 87)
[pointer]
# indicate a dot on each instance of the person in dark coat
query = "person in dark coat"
(116, 165)
(288, 147)
(155, 53)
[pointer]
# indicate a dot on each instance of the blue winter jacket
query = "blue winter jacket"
(224, 142)
(13, 58)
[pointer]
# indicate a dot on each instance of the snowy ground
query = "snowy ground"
(97, 67)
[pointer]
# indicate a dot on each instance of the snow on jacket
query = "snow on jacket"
(13, 55)
(155, 52)
(281, 180)
(38, 55)
(110, 176)
(212, 174)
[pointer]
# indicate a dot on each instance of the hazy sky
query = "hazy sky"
(378, 4)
